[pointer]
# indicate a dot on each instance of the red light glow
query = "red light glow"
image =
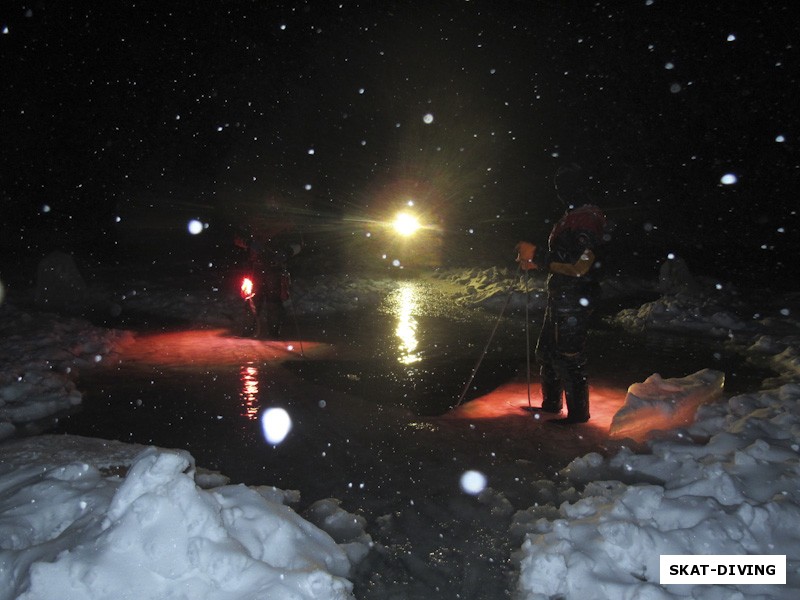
(209, 347)
(246, 288)
(510, 401)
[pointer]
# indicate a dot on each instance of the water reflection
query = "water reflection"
(248, 395)
(405, 305)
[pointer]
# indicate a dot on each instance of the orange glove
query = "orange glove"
(525, 255)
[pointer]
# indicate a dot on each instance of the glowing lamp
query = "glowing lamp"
(406, 224)
(246, 288)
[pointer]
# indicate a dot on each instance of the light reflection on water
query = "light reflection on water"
(404, 305)
(248, 394)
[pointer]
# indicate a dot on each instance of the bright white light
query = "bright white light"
(473, 482)
(731, 37)
(276, 424)
(670, 256)
(45, 208)
(195, 227)
(428, 118)
(729, 179)
(307, 187)
(395, 263)
(311, 151)
(406, 224)
(780, 139)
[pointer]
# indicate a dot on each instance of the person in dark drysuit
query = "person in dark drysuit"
(572, 292)
(270, 243)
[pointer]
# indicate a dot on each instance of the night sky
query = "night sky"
(122, 120)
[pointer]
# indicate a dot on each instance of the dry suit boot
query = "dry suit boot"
(577, 395)
(552, 391)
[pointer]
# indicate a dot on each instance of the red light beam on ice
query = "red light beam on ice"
(510, 401)
(209, 347)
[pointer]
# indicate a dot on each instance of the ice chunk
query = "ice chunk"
(658, 404)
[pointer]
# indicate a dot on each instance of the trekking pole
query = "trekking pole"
(488, 342)
(528, 335)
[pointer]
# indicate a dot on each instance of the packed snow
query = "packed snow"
(91, 519)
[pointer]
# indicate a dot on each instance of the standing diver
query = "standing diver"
(269, 244)
(573, 290)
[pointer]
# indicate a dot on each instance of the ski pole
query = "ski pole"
(528, 335)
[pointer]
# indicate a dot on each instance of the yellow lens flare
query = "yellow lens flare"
(406, 224)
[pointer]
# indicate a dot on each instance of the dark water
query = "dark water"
(409, 358)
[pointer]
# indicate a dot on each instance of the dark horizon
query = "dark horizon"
(127, 121)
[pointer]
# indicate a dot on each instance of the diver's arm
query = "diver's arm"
(577, 269)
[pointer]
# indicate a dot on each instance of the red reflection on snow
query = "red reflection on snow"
(649, 419)
(511, 401)
(199, 347)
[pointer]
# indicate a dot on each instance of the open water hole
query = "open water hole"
(365, 412)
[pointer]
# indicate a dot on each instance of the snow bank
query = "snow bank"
(735, 493)
(42, 354)
(684, 313)
(68, 531)
(494, 287)
(214, 305)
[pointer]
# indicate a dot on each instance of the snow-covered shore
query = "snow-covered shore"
(73, 510)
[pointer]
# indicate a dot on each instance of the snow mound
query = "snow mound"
(733, 494)
(156, 534)
(41, 355)
(658, 404)
(707, 315)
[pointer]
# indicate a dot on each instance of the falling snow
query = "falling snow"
(149, 133)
